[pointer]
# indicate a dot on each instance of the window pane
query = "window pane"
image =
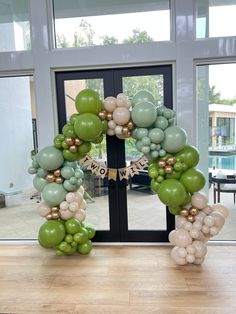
(18, 215)
(216, 102)
(216, 19)
(145, 210)
(14, 25)
(110, 22)
(97, 212)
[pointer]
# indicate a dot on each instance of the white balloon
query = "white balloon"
(174, 255)
(221, 209)
(219, 219)
(194, 233)
(80, 215)
(64, 205)
(187, 225)
(190, 258)
(118, 129)
(190, 249)
(200, 248)
(214, 231)
(43, 209)
(209, 221)
(111, 132)
(81, 190)
(180, 222)
(73, 206)
(182, 238)
(197, 225)
(171, 237)
(65, 214)
(83, 204)
(182, 252)
(199, 200)
(121, 115)
(207, 210)
(110, 103)
(70, 197)
(111, 124)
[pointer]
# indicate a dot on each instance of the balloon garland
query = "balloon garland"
(172, 168)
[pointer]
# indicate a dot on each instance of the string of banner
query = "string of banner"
(99, 169)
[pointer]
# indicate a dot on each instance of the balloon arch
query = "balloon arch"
(171, 166)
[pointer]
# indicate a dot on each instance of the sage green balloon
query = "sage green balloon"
(156, 135)
(143, 95)
(161, 123)
(175, 139)
(39, 183)
(67, 172)
(69, 187)
(144, 114)
(42, 173)
(53, 194)
(50, 158)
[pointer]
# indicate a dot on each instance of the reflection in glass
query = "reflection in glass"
(145, 211)
(14, 25)
(97, 212)
(216, 102)
(103, 23)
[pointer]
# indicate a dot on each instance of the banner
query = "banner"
(99, 169)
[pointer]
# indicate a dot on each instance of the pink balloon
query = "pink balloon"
(121, 115)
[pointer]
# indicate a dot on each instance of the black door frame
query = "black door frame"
(117, 195)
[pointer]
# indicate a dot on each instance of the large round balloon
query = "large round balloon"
(88, 101)
(50, 158)
(53, 194)
(121, 115)
(144, 114)
(88, 126)
(156, 135)
(51, 233)
(143, 95)
(193, 180)
(175, 139)
(189, 155)
(171, 192)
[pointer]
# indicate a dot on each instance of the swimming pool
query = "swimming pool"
(222, 162)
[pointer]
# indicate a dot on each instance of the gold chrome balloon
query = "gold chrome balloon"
(109, 116)
(168, 169)
(161, 164)
(102, 115)
(130, 125)
(73, 149)
(54, 209)
(78, 141)
(170, 160)
(59, 180)
(190, 218)
(193, 211)
(69, 141)
(125, 130)
(184, 212)
(57, 173)
(50, 177)
(49, 216)
(55, 215)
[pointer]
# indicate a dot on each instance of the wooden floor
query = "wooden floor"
(115, 279)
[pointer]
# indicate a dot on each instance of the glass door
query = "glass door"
(123, 210)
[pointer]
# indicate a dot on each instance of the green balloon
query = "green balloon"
(143, 95)
(54, 194)
(91, 232)
(67, 172)
(50, 158)
(173, 175)
(175, 210)
(68, 155)
(161, 123)
(171, 192)
(168, 113)
(32, 170)
(88, 126)
(68, 130)
(189, 155)
(144, 114)
(51, 233)
(84, 148)
(72, 226)
(73, 118)
(82, 236)
(39, 183)
(85, 248)
(156, 135)
(104, 126)
(141, 132)
(88, 101)
(175, 139)
(193, 180)
(155, 185)
(153, 171)
(42, 173)
(69, 187)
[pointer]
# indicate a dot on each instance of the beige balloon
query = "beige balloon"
(121, 115)
(83, 205)
(221, 209)
(199, 200)
(174, 255)
(182, 238)
(171, 237)
(43, 209)
(66, 214)
(80, 215)
(200, 248)
(219, 219)
(110, 103)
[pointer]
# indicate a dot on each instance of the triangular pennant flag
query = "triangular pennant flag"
(133, 170)
(112, 173)
(123, 173)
